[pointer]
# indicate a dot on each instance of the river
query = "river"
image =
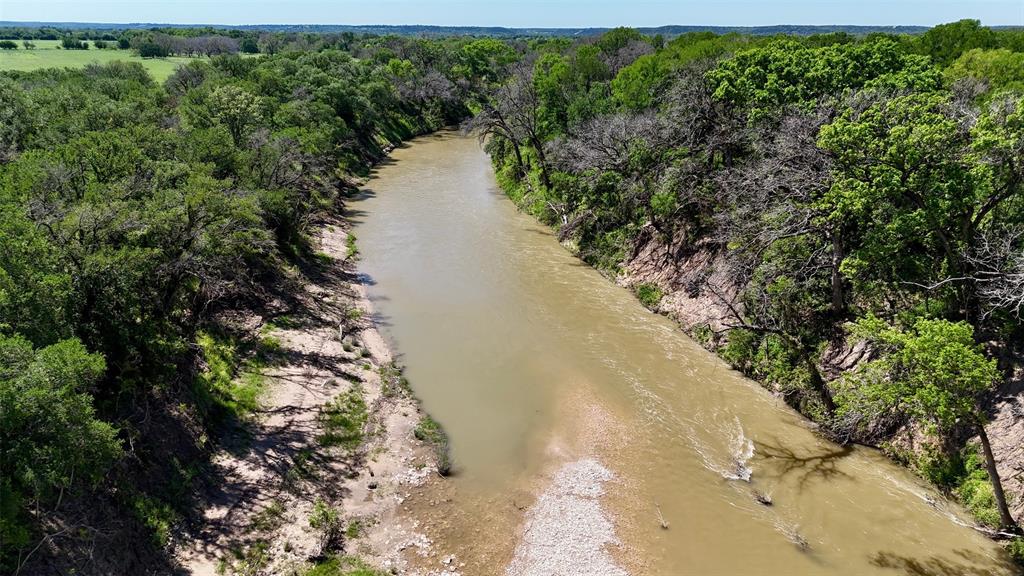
(531, 360)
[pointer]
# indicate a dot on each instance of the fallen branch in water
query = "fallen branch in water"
(661, 519)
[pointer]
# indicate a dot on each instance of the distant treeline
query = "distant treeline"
(58, 29)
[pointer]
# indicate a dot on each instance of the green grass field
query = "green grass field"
(47, 54)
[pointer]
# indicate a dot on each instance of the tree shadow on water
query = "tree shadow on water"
(970, 563)
(819, 464)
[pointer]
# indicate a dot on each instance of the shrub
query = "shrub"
(269, 518)
(393, 382)
(430, 432)
(703, 334)
(156, 515)
(648, 294)
(941, 470)
(740, 349)
(228, 387)
(251, 561)
(976, 494)
(344, 566)
(325, 520)
(69, 43)
(354, 529)
(1016, 550)
(342, 419)
(8, 45)
(351, 249)
(101, 44)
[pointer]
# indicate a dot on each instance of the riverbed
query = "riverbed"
(536, 364)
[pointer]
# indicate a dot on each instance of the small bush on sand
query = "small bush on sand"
(269, 518)
(343, 566)
(351, 250)
(429, 431)
(325, 520)
(342, 419)
(354, 529)
(393, 383)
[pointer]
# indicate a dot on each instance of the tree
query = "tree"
(50, 438)
(152, 50)
(786, 73)
(785, 251)
(249, 45)
(17, 119)
(237, 109)
(486, 58)
(515, 113)
(618, 38)
(270, 43)
(999, 68)
(918, 182)
(8, 45)
(934, 373)
(946, 42)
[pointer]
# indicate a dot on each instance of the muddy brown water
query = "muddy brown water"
(529, 359)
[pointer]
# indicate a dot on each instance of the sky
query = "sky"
(519, 13)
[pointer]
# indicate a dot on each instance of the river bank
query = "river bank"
(689, 283)
(690, 291)
(286, 498)
(511, 344)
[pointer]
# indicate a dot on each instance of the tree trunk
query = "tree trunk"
(1005, 518)
(545, 178)
(818, 383)
(838, 304)
(520, 167)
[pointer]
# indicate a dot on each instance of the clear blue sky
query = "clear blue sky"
(519, 13)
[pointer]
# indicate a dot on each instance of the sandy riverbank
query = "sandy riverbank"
(272, 477)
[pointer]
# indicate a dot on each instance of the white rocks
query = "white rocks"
(414, 476)
(567, 531)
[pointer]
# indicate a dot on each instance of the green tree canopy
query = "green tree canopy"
(50, 437)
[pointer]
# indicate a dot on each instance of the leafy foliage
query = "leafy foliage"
(933, 372)
(50, 436)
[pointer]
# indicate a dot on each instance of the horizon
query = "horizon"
(509, 27)
(524, 14)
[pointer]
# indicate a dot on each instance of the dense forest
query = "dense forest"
(840, 195)
(131, 213)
